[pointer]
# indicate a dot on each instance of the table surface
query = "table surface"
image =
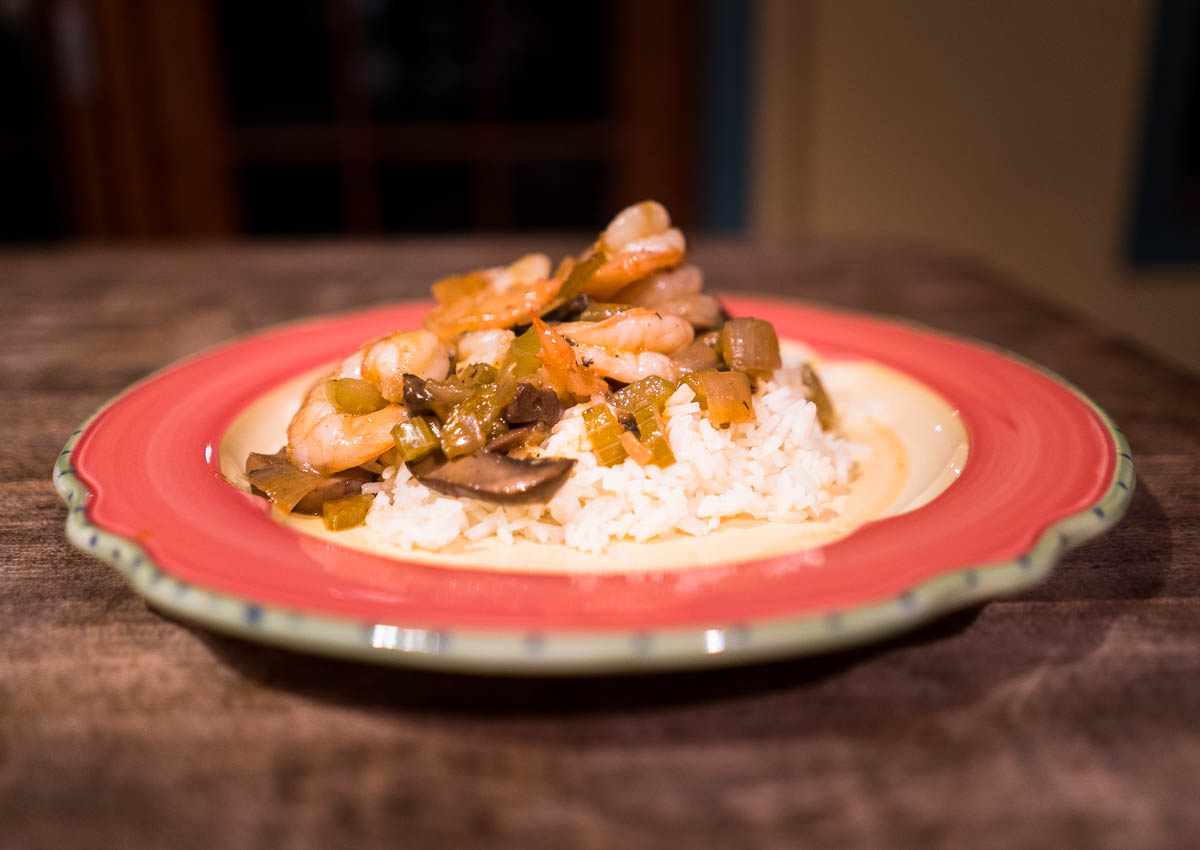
(1066, 716)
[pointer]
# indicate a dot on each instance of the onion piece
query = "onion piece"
(696, 356)
(751, 346)
(727, 397)
(284, 483)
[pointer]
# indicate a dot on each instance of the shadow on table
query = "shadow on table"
(952, 662)
(500, 696)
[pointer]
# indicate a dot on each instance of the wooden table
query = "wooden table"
(1068, 716)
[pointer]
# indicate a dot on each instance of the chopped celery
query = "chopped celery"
(489, 400)
(604, 431)
(695, 380)
(649, 390)
(580, 274)
(340, 514)
(636, 448)
(461, 433)
(414, 439)
(751, 346)
(654, 438)
(522, 358)
(477, 374)
(354, 396)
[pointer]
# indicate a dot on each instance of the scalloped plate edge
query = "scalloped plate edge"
(512, 652)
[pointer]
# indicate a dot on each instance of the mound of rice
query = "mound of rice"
(782, 466)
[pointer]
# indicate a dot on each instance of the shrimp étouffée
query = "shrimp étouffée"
(506, 349)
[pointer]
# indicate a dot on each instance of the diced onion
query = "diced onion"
(750, 346)
(727, 397)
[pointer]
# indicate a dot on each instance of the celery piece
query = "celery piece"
(522, 358)
(414, 439)
(476, 375)
(654, 437)
(488, 401)
(580, 274)
(649, 390)
(604, 431)
(695, 380)
(340, 514)
(461, 434)
(354, 396)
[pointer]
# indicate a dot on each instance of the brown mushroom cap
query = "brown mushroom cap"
(494, 477)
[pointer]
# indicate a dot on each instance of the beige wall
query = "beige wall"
(1005, 129)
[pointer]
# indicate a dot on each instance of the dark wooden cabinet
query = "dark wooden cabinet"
(214, 117)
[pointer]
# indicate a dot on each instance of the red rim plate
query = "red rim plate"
(1038, 453)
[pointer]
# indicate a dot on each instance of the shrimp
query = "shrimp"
(385, 361)
(498, 297)
(637, 242)
(626, 366)
(633, 330)
(677, 293)
(488, 346)
(662, 286)
(322, 438)
(564, 372)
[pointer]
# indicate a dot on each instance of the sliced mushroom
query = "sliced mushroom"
(524, 435)
(494, 477)
(532, 404)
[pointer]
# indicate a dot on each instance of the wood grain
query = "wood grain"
(1066, 716)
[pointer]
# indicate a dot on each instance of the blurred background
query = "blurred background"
(1058, 141)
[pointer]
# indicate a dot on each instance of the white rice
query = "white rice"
(782, 466)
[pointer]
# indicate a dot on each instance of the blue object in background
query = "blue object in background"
(726, 43)
(1166, 218)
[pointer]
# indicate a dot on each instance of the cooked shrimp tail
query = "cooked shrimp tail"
(637, 242)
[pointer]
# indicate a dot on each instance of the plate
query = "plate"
(1046, 469)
